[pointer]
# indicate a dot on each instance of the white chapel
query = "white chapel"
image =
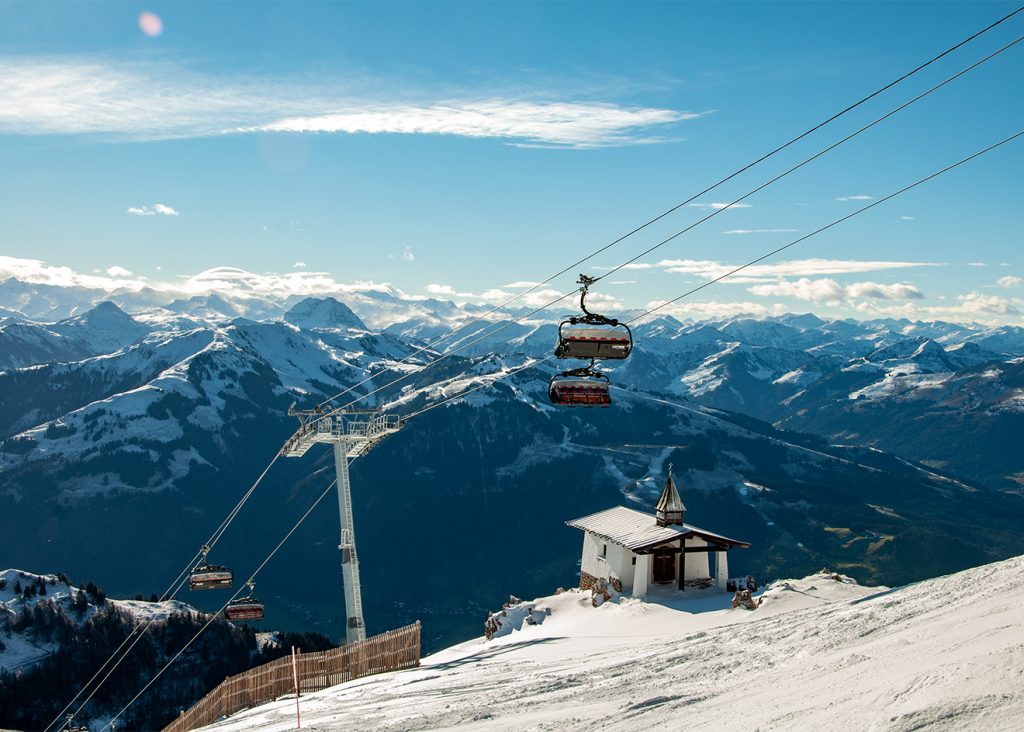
(639, 549)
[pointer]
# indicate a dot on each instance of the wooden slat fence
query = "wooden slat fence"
(390, 651)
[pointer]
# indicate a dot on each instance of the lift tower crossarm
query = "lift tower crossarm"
(352, 434)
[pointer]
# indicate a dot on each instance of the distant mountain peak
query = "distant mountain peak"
(325, 313)
(104, 312)
(103, 317)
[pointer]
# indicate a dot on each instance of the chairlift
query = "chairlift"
(581, 387)
(245, 608)
(599, 338)
(207, 576)
(69, 726)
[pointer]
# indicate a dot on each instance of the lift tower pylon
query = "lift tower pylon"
(352, 433)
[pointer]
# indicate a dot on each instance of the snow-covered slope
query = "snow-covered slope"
(22, 647)
(820, 653)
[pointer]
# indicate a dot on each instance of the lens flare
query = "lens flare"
(150, 24)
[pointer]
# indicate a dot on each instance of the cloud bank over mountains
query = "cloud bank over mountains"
(780, 287)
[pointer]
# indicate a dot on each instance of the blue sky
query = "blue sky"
(461, 149)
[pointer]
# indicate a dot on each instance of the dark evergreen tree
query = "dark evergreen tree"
(81, 604)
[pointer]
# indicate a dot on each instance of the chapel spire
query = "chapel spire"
(670, 509)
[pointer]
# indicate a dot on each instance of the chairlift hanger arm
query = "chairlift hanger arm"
(587, 371)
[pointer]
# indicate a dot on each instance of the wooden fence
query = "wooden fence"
(390, 651)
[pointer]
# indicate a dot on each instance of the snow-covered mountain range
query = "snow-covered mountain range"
(141, 430)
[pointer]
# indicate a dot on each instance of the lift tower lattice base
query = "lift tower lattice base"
(352, 434)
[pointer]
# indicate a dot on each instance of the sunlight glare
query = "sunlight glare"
(150, 24)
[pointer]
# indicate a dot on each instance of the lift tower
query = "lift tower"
(352, 433)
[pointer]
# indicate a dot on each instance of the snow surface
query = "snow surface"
(818, 654)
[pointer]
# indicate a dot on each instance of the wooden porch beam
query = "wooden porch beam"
(689, 550)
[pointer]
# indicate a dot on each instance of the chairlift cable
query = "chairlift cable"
(110, 671)
(174, 586)
(216, 615)
(497, 377)
(169, 594)
(666, 213)
(815, 156)
(216, 536)
(830, 225)
(492, 378)
(463, 347)
(711, 215)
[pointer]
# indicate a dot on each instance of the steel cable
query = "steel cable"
(213, 617)
(498, 376)
(798, 166)
(669, 211)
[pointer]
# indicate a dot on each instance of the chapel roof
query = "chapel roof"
(638, 530)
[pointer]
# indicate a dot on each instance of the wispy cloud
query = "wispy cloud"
(906, 218)
(446, 291)
(1010, 281)
(299, 265)
(976, 264)
(761, 231)
(154, 210)
(861, 197)
(877, 291)
(718, 206)
(117, 271)
(569, 124)
(712, 309)
(73, 96)
(830, 292)
(405, 256)
(710, 269)
(499, 295)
